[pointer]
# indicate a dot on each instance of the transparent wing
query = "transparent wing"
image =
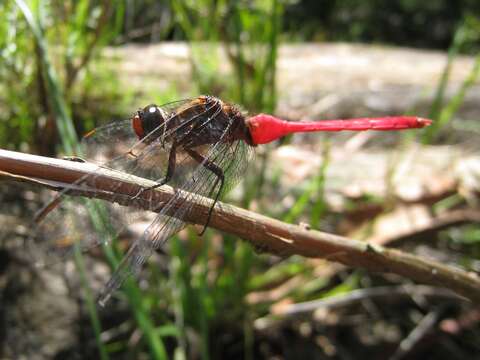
(199, 188)
(73, 222)
(66, 219)
(110, 144)
(114, 146)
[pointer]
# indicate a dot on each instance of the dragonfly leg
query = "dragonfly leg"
(172, 158)
(220, 178)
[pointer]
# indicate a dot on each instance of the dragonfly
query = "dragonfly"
(200, 146)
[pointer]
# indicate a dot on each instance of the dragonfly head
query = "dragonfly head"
(148, 119)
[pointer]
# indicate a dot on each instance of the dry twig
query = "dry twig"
(263, 232)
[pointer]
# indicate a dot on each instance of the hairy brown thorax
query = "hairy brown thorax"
(203, 120)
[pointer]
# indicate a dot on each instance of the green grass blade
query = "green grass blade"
(442, 85)
(443, 116)
(454, 104)
(90, 301)
(64, 123)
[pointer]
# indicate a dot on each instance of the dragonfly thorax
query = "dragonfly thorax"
(197, 122)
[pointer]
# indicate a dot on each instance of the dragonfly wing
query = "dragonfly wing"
(65, 219)
(75, 220)
(118, 137)
(197, 190)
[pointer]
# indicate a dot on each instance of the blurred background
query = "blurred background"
(68, 66)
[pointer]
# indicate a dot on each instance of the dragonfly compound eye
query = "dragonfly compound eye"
(148, 119)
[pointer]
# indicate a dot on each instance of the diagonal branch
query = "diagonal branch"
(263, 232)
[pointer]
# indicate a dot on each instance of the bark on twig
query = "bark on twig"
(263, 232)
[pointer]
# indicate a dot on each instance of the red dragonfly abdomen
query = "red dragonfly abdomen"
(266, 128)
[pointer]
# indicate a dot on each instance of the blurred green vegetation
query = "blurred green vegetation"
(78, 30)
(53, 80)
(73, 32)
